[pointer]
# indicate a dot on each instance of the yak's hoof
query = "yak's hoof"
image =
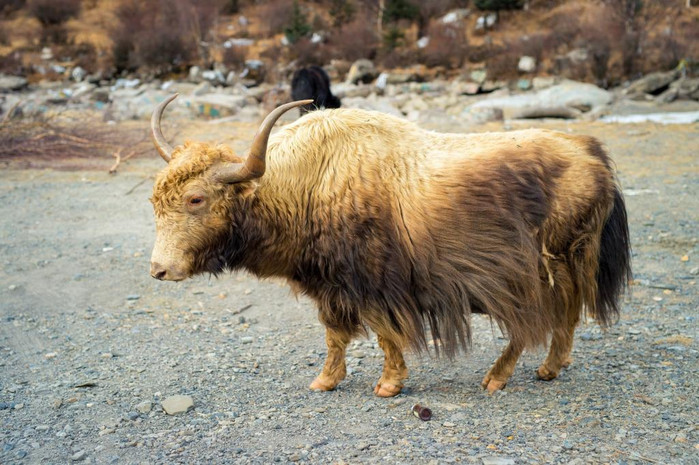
(387, 390)
(491, 384)
(544, 374)
(321, 383)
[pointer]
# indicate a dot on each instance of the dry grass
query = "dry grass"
(26, 143)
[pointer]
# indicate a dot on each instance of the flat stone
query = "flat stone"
(145, 407)
(174, 405)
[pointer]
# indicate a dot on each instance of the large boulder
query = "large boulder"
(362, 71)
(10, 83)
(216, 105)
(682, 89)
(572, 94)
(653, 83)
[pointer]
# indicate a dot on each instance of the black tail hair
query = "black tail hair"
(614, 271)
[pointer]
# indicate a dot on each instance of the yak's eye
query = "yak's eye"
(196, 200)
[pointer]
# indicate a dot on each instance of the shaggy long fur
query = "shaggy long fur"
(410, 232)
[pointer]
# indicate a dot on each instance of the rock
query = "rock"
(46, 54)
(133, 297)
(78, 74)
(456, 16)
(545, 112)
(423, 42)
(479, 75)
(254, 71)
(486, 22)
(498, 461)
(9, 83)
(346, 90)
(566, 94)
(101, 94)
(480, 115)
(214, 76)
(78, 456)
(83, 89)
(363, 71)
(246, 340)
(144, 407)
(217, 105)
(653, 83)
(194, 74)
(543, 82)
(490, 86)
(682, 89)
(524, 84)
(466, 88)
(373, 105)
(202, 89)
(527, 64)
(174, 405)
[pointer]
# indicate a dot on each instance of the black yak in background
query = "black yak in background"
(313, 83)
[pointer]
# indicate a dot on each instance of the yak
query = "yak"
(313, 83)
(405, 232)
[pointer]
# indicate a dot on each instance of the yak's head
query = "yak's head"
(194, 195)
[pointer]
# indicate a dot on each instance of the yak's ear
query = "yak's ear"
(229, 173)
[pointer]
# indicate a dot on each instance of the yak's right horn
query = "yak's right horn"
(254, 166)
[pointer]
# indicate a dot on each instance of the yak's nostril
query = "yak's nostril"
(157, 271)
(160, 275)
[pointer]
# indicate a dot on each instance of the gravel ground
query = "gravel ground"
(90, 345)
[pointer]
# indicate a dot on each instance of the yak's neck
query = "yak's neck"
(268, 232)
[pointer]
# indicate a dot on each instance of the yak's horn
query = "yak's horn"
(164, 149)
(254, 166)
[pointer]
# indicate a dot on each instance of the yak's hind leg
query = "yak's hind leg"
(394, 369)
(503, 368)
(334, 369)
(561, 346)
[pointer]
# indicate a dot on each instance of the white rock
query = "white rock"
(527, 64)
(174, 405)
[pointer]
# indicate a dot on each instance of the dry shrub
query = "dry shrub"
(306, 53)
(161, 35)
(503, 66)
(52, 14)
(45, 143)
(448, 46)
(11, 63)
(355, 40)
(234, 57)
(9, 7)
(396, 58)
(276, 15)
(564, 27)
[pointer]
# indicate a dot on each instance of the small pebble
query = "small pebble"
(78, 456)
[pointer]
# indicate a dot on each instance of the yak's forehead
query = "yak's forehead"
(189, 162)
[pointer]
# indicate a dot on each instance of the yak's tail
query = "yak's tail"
(614, 270)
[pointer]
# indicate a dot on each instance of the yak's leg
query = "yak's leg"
(502, 368)
(334, 369)
(394, 369)
(561, 346)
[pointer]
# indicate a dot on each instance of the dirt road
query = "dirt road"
(90, 344)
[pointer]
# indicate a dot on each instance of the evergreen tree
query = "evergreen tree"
(342, 12)
(298, 27)
(496, 5)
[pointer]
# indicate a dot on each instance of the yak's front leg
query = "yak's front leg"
(394, 369)
(334, 369)
(502, 369)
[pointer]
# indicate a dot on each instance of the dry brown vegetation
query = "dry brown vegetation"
(621, 38)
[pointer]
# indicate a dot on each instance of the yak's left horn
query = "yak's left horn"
(164, 149)
(254, 166)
